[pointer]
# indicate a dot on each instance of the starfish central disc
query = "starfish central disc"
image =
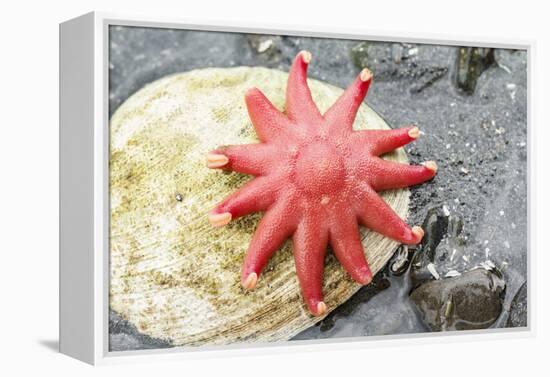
(319, 169)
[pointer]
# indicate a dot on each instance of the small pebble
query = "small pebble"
(452, 273)
(433, 271)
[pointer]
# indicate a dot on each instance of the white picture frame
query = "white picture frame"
(84, 209)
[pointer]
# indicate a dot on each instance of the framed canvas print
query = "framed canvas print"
(227, 188)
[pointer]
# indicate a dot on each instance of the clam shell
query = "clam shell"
(172, 274)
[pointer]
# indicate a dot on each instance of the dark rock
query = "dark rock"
(124, 336)
(470, 64)
(435, 227)
(472, 300)
(518, 309)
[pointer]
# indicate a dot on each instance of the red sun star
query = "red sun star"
(316, 179)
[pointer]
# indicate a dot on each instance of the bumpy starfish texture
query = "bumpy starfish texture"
(316, 180)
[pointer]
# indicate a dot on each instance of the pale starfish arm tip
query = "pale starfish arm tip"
(418, 232)
(216, 160)
(432, 165)
(414, 133)
(306, 56)
(219, 219)
(251, 281)
(321, 308)
(365, 75)
(366, 277)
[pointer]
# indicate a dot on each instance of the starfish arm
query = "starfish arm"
(299, 103)
(310, 243)
(384, 141)
(273, 229)
(374, 213)
(347, 247)
(392, 175)
(256, 195)
(252, 159)
(268, 122)
(341, 114)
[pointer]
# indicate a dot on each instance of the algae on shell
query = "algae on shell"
(171, 273)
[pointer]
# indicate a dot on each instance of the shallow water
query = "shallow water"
(388, 312)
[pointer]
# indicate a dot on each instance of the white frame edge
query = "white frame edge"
(84, 202)
(76, 182)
